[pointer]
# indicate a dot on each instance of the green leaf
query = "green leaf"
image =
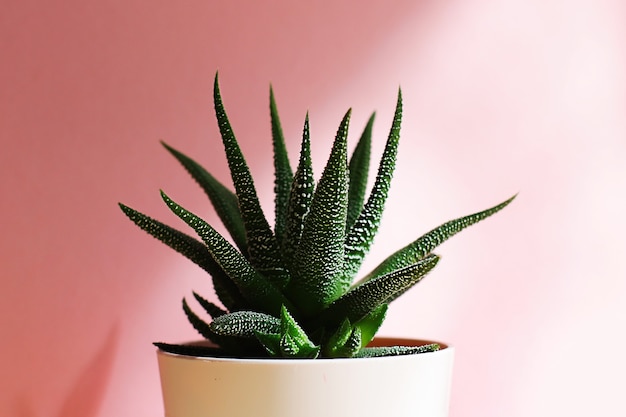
(228, 293)
(345, 342)
(245, 324)
(316, 274)
(359, 172)
(370, 324)
(253, 286)
(182, 243)
(294, 341)
(376, 352)
(291, 342)
(192, 249)
(271, 343)
(361, 235)
(428, 242)
(300, 197)
(362, 300)
(262, 245)
(283, 174)
(223, 200)
(210, 308)
(231, 344)
(200, 325)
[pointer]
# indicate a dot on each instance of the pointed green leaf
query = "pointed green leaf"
(345, 342)
(182, 243)
(340, 337)
(370, 324)
(223, 200)
(271, 343)
(376, 352)
(245, 324)
(291, 342)
(316, 274)
(228, 293)
(211, 309)
(359, 172)
(362, 300)
(192, 249)
(262, 245)
(428, 242)
(298, 343)
(361, 235)
(200, 325)
(283, 174)
(300, 197)
(259, 292)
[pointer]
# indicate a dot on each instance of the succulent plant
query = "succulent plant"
(291, 292)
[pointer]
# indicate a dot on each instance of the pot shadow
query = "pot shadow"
(86, 394)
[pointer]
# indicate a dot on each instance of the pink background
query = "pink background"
(500, 97)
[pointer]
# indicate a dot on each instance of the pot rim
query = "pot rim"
(376, 342)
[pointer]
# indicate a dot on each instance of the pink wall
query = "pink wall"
(500, 97)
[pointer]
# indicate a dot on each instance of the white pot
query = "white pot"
(398, 386)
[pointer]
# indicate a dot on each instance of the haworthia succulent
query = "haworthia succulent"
(318, 260)
(361, 235)
(262, 244)
(359, 171)
(253, 286)
(283, 175)
(287, 292)
(223, 200)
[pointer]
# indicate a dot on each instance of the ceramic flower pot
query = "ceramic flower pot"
(399, 386)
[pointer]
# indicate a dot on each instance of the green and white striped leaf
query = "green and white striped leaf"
(291, 342)
(345, 342)
(362, 300)
(361, 235)
(431, 240)
(210, 308)
(317, 267)
(200, 325)
(245, 324)
(262, 244)
(377, 352)
(300, 197)
(223, 200)
(283, 175)
(359, 172)
(192, 249)
(182, 243)
(370, 324)
(254, 287)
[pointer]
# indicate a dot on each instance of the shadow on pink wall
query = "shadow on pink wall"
(86, 393)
